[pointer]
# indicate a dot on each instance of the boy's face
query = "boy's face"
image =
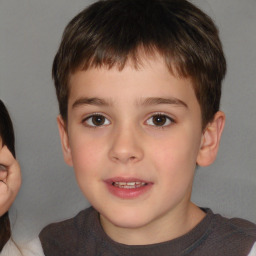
(133, 137)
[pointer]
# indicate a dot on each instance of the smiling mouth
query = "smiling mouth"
(129, 185)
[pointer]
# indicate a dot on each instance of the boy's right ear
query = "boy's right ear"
(64, 141)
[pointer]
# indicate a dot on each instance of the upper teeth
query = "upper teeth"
(131, 184)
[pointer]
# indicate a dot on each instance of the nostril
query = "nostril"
(123, 158)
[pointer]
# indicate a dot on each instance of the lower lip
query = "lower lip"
(131, 193)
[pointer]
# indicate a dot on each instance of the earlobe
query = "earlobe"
(211, 140)
(64, 141)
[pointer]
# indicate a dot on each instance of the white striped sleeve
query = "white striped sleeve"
(253, 250)
(11, 249)
(33, 248)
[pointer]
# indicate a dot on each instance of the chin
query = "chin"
(127, 219)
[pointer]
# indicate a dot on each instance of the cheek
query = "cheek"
(85, 155)
(175, 164)
(176, 155)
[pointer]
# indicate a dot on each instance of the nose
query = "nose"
(126, 147)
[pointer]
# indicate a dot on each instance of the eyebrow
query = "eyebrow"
(91, 101)
(159, 101)
(143, 102)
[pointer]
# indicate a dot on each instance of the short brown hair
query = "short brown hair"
(112, 31)
(6, 129)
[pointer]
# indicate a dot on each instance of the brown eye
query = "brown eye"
(159, 120)
(96, 120)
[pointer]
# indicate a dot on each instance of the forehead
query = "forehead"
(152, 79)
(142, 59)
(147, 64)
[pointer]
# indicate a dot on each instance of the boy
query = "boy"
(139, 86)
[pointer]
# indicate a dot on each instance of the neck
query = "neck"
(165, 228)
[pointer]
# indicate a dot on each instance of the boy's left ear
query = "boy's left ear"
(211, 140)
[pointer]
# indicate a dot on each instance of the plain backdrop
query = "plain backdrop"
(30, 32)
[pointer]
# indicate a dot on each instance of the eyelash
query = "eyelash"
(167, 118)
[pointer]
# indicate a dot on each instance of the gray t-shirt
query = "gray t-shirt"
(213, 236)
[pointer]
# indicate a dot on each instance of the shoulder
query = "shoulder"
(229, 236)
(10, 248)
(237, 226)
(66, 235)
(32, 248)
(75, 222)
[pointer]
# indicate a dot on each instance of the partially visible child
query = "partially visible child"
(10, 175)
